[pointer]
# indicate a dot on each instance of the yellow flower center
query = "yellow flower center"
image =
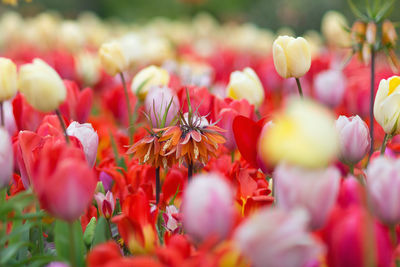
(393, 84)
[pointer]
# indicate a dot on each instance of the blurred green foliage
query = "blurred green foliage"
(300, 15)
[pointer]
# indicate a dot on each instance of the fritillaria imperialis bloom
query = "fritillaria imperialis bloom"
(292, 56)
(208, 208)
(354, 139)
(314, 190)
(275, 238)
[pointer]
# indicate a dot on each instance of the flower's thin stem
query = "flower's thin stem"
(371, 100)
(158, 185)
(393, 234)
(190, 171)
(130, 118)
(351, 167)
(2, 122)
(60, 118)
(299, 87)
(72, 245)
(384, 143)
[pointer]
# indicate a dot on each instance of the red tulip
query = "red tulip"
(62, 180)
(78, 103)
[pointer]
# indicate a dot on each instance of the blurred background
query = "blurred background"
(300, 15)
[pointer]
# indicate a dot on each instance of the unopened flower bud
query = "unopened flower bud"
(358, 32)
(389, 35)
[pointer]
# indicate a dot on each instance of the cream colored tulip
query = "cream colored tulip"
(8, 79)
(112, 58)
(41, 85)
(303, 134)
(387, 105)
(88, 67)
(71, 36)
(147, 78)
(292, 56)
(245, 85)
(333, 27)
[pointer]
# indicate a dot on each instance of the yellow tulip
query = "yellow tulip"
(333, 27)
(8, 79)
(147, 78)
(386, 106)
(112, 58)
(292, 56)
(303, 134)
(246, 84)
(41, 86)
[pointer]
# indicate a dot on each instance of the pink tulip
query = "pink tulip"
(170, 217)
(383, 183)
(354, 239)
(9, 120)
(314, 190)
(156, 104)
(207, 208)
(354, 139)
(277, 238)
(329, 87)
(62, 180)
(6, 158)
(88, 138)
(105, 204)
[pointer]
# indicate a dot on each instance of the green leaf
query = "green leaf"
(69, 239)
(102, 233)
(171, 202)
(356, 11)
(9, 252)
(89, 232)
(384, 10)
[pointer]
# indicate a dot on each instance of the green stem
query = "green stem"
(130, 118)
(2, 122)
(351, 167)
(385, 140)
(371, 100)
(158, 185)
(190, 171)
(72, 245)
(60, 118)
(299, 87)
(393, 235)
(233, 156)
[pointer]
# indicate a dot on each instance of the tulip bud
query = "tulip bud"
(276, 238)
(370, 33)
(207, 208)
(314, 190)
(329, 87)
(88, 68)
(105, 204)
(157, 103)
(292, 57)
(246, 85)
(88, 138)
(148, 77)
(333, 27)
(303, 134)
(6, 158)
(113, 58)
(8, 79)
(71, 36)
(366, 53)
(358, 32)
(389, 35)
(41, 86)
(386, 108)
(354, 139)
(383, 183)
